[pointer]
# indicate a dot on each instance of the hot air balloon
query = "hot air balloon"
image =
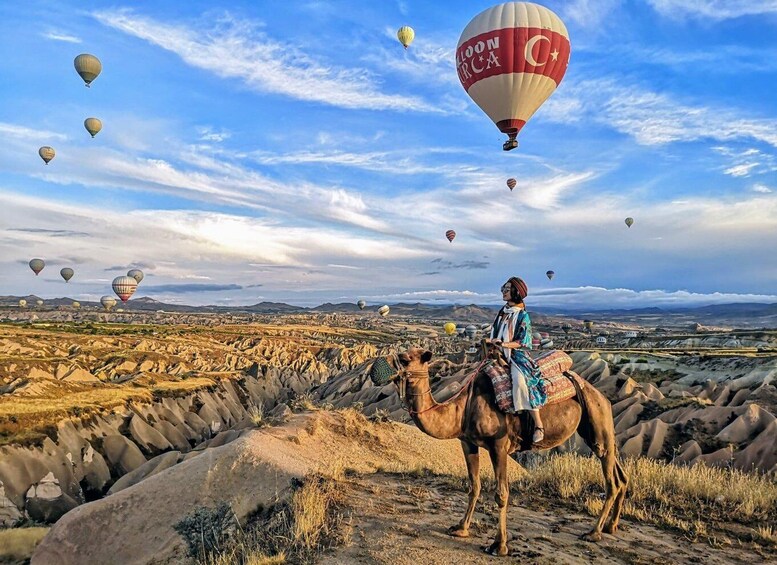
(451, 235)
(588, 324)
(124, 287)
(629, 221)
(22, 303)
(405, 34)
(449, 328)
(37, 265)
(93, 126)
(460, 330)
(88, 67)
(361, 304)
(46, 153)
(39, 302)
(67, 273)
(384, 310)
(108, 302)
(471, 331)
(510, 58)
(136, 274)
(550, 275)
(511, 183)
(76, 304)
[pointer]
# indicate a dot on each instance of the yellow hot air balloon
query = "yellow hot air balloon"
(93, 126)
(76, 304)
(405, 34)
(509, 59)
(449, 328)
(384, 310)
(88, 67)
(46, 153)
(22, 303)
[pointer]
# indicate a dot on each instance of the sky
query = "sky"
(295, 152)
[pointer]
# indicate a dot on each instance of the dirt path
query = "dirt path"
(402, 520)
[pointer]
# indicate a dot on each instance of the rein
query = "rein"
(418, 375)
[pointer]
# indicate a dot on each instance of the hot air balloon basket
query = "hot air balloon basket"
(381, 372)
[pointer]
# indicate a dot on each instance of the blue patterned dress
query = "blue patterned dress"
(526, 365)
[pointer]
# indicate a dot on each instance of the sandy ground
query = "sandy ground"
(402, 520)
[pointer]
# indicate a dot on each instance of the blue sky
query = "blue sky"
(293, 151)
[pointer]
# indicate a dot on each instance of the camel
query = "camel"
(474, 419)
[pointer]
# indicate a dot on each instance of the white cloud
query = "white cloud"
(55, 35)
(762, 188)
(28, 134)
(653, 118)
(741, 170)
(604, 298)
(588, 13)
(713, 9)
(238, 50)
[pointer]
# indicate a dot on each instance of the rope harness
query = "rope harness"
(405, 375)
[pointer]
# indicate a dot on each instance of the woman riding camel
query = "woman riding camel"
(512, 331)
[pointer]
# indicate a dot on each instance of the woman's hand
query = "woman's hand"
(496, 342)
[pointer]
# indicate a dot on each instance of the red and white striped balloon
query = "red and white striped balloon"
(450, 234)
(510, 59)
(124, 287)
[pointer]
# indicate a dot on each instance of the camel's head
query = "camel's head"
(394, 366)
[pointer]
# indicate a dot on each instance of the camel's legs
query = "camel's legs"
(498, 453)
(472, 455)
(609, 461)
(622, 480)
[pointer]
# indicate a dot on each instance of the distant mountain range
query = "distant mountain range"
(742, 314)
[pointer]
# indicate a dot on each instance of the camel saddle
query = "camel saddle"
(557, 379)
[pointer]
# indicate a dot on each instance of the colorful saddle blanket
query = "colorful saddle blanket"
(552, 364)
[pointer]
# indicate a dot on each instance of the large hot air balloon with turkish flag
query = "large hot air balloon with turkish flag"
(510, 58)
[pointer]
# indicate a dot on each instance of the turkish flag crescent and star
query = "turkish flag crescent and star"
(513, 50)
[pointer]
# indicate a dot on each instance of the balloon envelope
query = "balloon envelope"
(108, 302)
(451, 235)
(136, 274)
(361, 304)
(67, 273)
(39, 302)
(88, 67)
(629, 221)
(46, 153)
(405, 34)
(93, 126)
(37, 265)
(124, 287)
(76, 304)
(510, 58)
(22, 303)
(550, 275)
(449, 328)
(471, 331)
(511, 183)
(384, 310)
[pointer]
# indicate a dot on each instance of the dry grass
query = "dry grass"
(695, 500)
(19, 543)
(295, 531)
